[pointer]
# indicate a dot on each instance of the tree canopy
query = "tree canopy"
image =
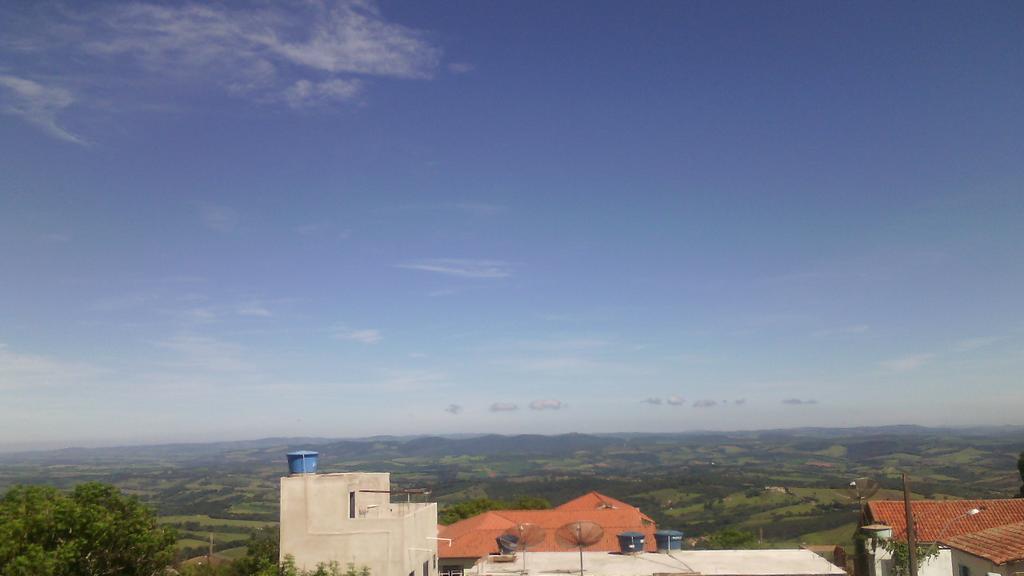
(93, 530)
(1020, 469)
(468, 509)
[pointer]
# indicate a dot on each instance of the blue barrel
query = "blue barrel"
(631, 542)
(668, 540)
(302, 462)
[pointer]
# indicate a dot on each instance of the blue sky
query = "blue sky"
(242, 220)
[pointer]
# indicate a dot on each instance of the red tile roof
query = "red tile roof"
(596, 501)
(932, 517)
(477, 536)
(1000, 545)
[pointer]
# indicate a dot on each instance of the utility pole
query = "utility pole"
(911, 539)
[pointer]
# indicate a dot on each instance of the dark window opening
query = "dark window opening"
(351, 504)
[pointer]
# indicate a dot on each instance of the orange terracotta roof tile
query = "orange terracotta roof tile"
(932, 517)
(594, 500)
(1000, 545)
(477, 536)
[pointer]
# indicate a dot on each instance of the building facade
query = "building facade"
(349, 519)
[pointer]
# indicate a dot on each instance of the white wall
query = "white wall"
(940, 565)
(981, 566)
(390, 539)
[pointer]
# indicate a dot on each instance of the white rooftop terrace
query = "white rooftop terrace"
(678, 562)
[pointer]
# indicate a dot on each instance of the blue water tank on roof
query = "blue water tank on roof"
(631, 542)
(668, 540)
(303, 462)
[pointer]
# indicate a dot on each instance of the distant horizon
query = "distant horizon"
(9, 449)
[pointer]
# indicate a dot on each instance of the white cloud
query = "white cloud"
(300, 52)
(37, 104)
(254, 309)
(463, 268)
(365, 335)
(205, 354)
(653, 401)
(547, 405)
(304, 93)
(504, 407)
(25, 371)
(799, 402)
(968, 344)
(705, 404)
(460, 67)
(453, 409)
(907, 363)
(676, 401)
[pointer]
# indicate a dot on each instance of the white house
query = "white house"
(350, 519)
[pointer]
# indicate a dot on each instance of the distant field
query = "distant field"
(699, 482)
(204, 520)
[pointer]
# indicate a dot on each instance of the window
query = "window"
(964, 570)
(426, 568)
(352, 505)
(451, 570)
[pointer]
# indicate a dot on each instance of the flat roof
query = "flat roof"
(678, 562)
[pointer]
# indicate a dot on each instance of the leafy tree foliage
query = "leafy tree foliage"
(1020, 468)
(900, 553)
(732, 539)
(470, 508)
(93, 530)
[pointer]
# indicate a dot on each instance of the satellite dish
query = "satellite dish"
(522, 537)
(859, 491)
(579, 535)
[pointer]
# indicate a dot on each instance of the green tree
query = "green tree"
(900, 553)
(92, 530)
(732, 539)
(469, 508)
(262, 552)
(1020, 469)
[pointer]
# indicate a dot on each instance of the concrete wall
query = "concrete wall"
(389, 539)
(941, 565)
(981, 566)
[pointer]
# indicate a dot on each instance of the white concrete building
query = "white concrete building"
(349, 519)
(998, 550)
(674, 563)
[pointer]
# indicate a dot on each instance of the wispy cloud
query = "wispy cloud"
(653, 401)
(841, 331)
(705, 403)
(907, 363)
(547, 405)
(739, 402)
(799, 402)
(460, 67)
(463, 268)
(37, 104)
(254, 309)
(453, 409)
(200, 353)
(365, 335)
(968, 344)
(20, 370)
(676, 401)
(304, 93)
(504, 407)
(218, 218)
(298, 53)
